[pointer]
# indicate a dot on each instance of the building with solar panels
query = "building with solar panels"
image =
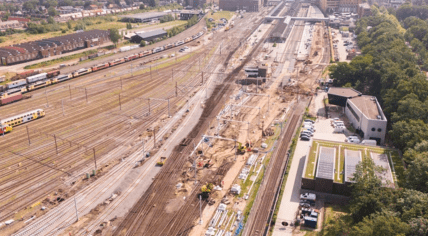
(325, 170)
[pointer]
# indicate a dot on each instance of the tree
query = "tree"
(142, 43)
(29, 6)
(114, 36)
(408, 133)
(51, 20)
(129, 2)
(128, 25)
(153, 3)
(69, 25)
(142, 6)
(52, 11)
(418, 226)
(380, 224)
(417, 173)
(368, 195)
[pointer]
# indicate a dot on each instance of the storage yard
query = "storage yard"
(150, 144)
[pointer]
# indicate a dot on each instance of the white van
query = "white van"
(369, 142)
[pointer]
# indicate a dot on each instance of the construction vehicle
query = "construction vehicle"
(161, 161)
(240, 148)
(227, 28)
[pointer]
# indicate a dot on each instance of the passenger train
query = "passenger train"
(15, 89)
(8, 123)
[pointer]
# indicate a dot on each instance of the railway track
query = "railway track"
(90, 136)
(116, 152)
(148, 216)
(258, 219)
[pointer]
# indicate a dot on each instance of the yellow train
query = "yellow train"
(8, 123)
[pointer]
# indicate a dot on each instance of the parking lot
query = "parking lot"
(340, 46)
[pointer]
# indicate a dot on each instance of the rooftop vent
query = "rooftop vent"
(379, 117)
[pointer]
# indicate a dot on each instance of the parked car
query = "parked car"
(309, 121)
(338, 123)
(369, 142)
(305, 138)
(306, 132)
(350, 138)
(309, 127)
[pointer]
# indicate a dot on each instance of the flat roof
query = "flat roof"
(344, 92)
(368, 106)
(326, 159)
(382, 160)
(152, 33)
(146, 15)
(352, 158)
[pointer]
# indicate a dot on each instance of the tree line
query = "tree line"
(390, 69)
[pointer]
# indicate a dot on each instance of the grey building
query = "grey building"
(144, 17)
(148, 36)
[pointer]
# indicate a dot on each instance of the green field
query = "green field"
(221, 14)
(397, 165)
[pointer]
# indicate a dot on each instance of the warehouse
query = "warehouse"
(148, 36)
(188, 14)
(339, 96)
(53, 46)
(233, 5)
(144, 17)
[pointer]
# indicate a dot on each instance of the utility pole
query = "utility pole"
(200, 209)
(169, 114)
(75, 206)
(154, 137)
(95, 160)
(28, 134)
(176, 91)
(69, 88)
(56, 145)
(202, 77)
(150, 72)
(120, 103)
(47, 102)
(172, 78)
(86, 93)
(148, 99)
(62, 103)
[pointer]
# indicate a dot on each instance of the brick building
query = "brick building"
(233, 5)
(53, 46)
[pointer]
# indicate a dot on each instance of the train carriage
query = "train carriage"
(16, 84)
(53, 73)
(145, 53)
(5, 129)
(132, 57)
(178, 43)
(61, 78)
(39, 84)
(23, 118)
(158, 49)
(100, 66)
(35, 78)
(168, 46)
(10, 96)
(117, 61)
(82, 72)
(188, 39)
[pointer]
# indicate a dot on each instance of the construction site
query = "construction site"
(190, 144)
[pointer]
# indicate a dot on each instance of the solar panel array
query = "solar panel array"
(352, 158)
(325, 169)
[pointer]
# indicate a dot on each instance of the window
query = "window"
(373, 129)
(353, 112)
(379, 130)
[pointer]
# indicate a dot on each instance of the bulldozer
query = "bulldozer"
(161, 161)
